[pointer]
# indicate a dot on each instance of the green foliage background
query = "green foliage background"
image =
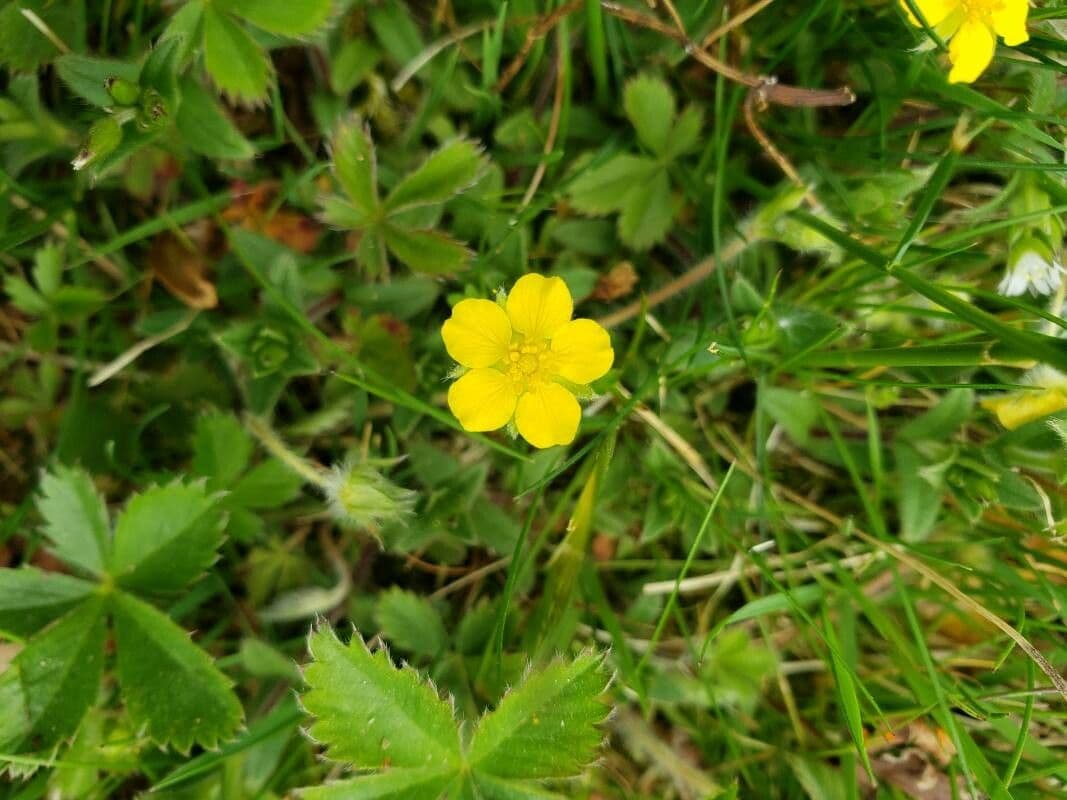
(791, 554)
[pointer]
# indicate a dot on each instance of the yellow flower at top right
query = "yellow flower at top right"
(972, 28)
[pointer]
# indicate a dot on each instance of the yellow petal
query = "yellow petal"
(482, 400)
(1009, 21)
(933, 11)
(548, 415)
(582, 351)
(1015, 410)
(971, 50)
(538, 305)
(477, 334)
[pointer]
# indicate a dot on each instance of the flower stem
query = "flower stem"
(308, 470)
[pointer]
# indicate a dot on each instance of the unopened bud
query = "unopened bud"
(123, 92)
(154, 113)
(104, 137)
(361, 497)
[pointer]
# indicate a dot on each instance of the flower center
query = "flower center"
(982, 9)
(527, 364)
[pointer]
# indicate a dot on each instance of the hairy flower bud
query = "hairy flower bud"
(104, 137)
(360, 496)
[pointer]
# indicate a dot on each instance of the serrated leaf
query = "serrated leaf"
(58, 676)
(285, 17)
(166, 537)
(685, 134)
(411, 622)
(87, 77)
(606, 188)
(432, 252)
(24, 297)
(547, 727)
(75, 518)
(355, 164)
(31, 598)
(205, 127)
(397, 784)
(648, 214)
(221, 449)
(649, 104)
(449, 170)
(339, 212)
(170, 686)
(235, 62)
(369, 713)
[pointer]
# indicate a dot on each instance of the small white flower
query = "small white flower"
(1034, 272)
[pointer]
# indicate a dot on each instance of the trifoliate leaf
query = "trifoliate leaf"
(75, 518)
(448, 171)
(285, 17)
(371, 714)
(166, 537)
(235, 62)
(547, 727)
(205, 127)
(606, 188)
(648, 213)
(170, 686)
(31, 598)
(650, 106)
(356, 166)
(397, 784)
(427, 251)
(59, 675)
(221, 449)
(411, 622)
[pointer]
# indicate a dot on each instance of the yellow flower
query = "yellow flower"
(973, 27)
(522, 362)
(1018, 408)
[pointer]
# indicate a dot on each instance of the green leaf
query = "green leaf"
(777, 603)
(341, 213)
(396, 784)
(31, 598)
(606, 188)
(943, 420)
(432, 252)
(88, 77)
(205, 127)
(269, 484)
(685, 135)
(285, 17)
(75, 518)
(370, 713)
(355, 164)
(547, 727)
(492, 788)
(648, 213)
(24, 297)
(411, 622)
(650, 106)
(23, 46)
(221, 449)
(452, 168)
(59, 675)
(170, 686)
(352, 64)
(166, 537)
(235, 62)
(919, 494)
(847, 696)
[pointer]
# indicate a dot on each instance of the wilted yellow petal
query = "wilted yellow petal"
(548, 415)
(538, 305)
(971, 50)
(1017, 409)
(1009, 21)
(477, 334)
(482, 400)
(582, 351)
(933, 11)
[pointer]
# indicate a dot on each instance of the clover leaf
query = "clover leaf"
(638, 187)
(401, 223)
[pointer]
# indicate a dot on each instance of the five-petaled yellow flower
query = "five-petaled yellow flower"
(973, 27)
(523, 363)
